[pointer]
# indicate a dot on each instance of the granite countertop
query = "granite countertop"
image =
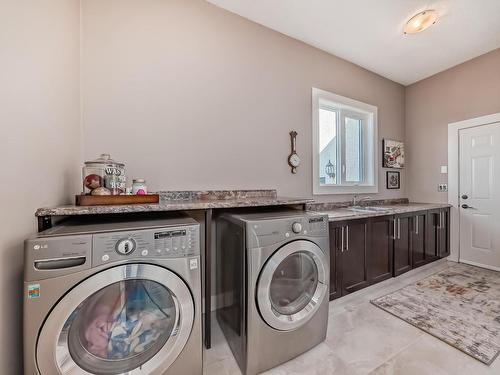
(216, 199)
(348, 213)
(183, 200)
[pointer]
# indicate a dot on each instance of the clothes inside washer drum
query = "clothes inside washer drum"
(121, 326)
(125, 336)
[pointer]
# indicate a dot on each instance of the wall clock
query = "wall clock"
(293, 159)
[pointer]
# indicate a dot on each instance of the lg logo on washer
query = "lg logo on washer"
(38, 247)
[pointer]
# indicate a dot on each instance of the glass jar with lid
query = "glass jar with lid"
(104, 172)
(139, 187)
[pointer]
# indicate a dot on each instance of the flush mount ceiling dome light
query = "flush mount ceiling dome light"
(420, 21)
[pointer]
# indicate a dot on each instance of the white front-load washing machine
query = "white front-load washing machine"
(272, 283)
(114, 298)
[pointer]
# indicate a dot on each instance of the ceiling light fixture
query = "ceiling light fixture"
(420, 21)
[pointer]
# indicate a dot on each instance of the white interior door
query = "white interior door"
(480, 195)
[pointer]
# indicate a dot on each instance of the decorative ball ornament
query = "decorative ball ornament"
(93, 181)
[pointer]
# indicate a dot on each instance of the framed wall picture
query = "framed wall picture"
(393, 180)
(394, 154)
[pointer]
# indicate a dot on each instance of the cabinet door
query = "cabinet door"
(444, 233)
(433, 234)
(402, 247)
(354, 256)
(418, 236)
(380, 255)
(335, 260)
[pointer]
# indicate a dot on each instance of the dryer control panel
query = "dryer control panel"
(262, 233)
(155, 243)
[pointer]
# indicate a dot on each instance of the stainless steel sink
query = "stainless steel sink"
(352, 211)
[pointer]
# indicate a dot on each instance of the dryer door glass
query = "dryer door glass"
(294, 283)
(121, 326)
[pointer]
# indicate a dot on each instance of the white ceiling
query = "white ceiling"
(369, 32)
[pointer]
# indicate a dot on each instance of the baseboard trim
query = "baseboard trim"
(488, 267)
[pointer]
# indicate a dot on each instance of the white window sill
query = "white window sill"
(345, 189)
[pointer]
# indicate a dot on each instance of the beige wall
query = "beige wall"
(40, 141)
(193, 97)
(190, 97)
(469, 90)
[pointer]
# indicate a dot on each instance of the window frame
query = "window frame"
(369, 169)
(355, 115)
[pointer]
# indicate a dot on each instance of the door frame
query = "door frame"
(454, 175)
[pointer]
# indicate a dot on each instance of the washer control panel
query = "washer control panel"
(296, 227)
(157, 243)
(125, 246)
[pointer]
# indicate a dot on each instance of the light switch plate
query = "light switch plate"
(442, 188)
(444, 169)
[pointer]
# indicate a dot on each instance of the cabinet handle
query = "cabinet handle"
(342, 240)
(416, 224)
(347, 237)
(394, 229)
(399, 229)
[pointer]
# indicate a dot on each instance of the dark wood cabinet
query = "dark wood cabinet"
(354, 256)
(335, 257)
(433, 234)
(438, 235)
(380, 249)
(418, 235)
(414, 243)
(348, 257)
(366, 251)
(402, 244)
(361, 253)
(444, 234)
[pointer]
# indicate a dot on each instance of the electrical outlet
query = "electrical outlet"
(442, 188)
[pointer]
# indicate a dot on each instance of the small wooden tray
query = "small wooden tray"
(103, 200)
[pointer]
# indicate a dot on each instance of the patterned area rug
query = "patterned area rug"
(460, 305)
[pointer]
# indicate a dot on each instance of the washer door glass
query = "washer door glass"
(294, 283)
(121, 326)
(128, 319)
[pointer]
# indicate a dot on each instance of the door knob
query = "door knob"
(465, 196)
(465, 206)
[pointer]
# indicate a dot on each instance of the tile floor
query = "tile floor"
(363, 339)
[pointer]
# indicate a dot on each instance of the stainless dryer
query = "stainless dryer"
(114, 298)
(273, 281)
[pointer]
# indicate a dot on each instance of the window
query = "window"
(344, 145)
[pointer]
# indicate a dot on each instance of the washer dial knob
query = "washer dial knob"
(296, 227)
(125, 246)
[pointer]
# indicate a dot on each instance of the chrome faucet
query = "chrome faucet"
(356, 200)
